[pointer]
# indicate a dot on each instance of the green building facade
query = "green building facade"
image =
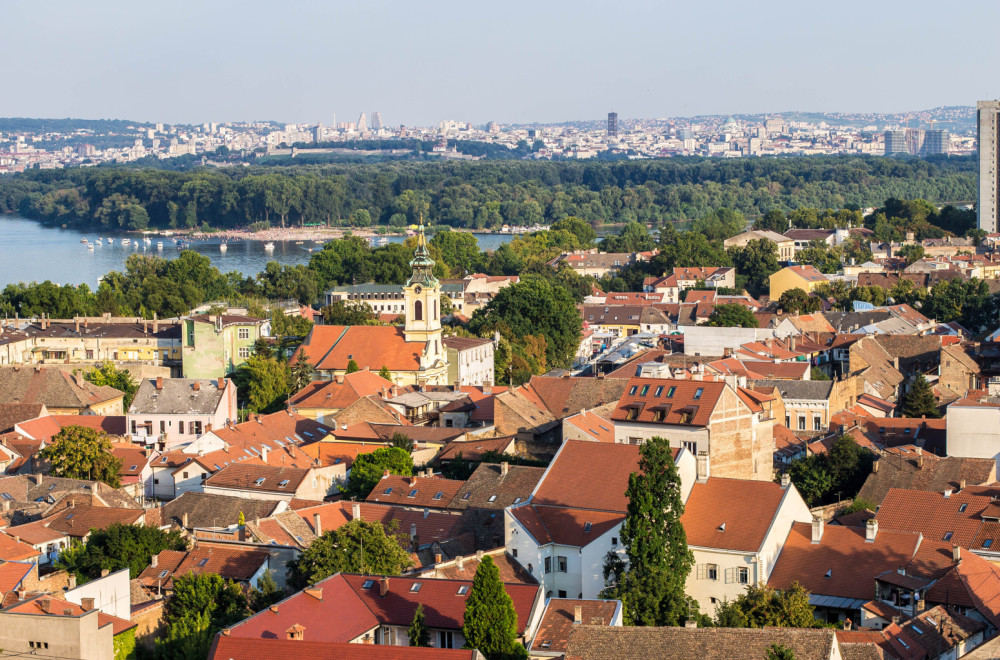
(215, 346)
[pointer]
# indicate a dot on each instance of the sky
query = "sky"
(420, 62)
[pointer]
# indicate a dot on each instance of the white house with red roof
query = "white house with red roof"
(563, 532)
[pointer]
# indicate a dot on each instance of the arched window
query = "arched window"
(435, 310)
(418, 311)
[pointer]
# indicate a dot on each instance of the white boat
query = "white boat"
(126, 241)
(110, 241)
(269, 246)
(223, 247)
(159, 245)
(148, 240)
(83, 240)
(90, 246)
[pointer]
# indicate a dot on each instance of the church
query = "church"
(415, 353)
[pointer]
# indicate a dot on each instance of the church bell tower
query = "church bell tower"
(422, 294)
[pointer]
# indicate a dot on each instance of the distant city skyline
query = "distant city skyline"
(307, 62)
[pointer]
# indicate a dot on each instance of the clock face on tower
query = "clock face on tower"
(417, 289)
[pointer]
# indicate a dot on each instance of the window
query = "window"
(962, 508)
(418, 315)
(445, 640)
(987, 543)
(644, 391)
(493, 498)
(438, 495)
(465, 498)
(743, 575)
(561, 563)
(196, 428)
(185, 475)
(635, 388)
(163, 574)
(697, 393)
(788, 421)
(180, 427)
(462, 590)
(415, 587)
(633, 413)
(243, 333)
(260, 482)
(412, 493)
(670, 391)
(514, 551)
(283, 483)
(548, 564)
(562, 593)
(133, 427)
(586, 527)
(947, 536)
(802, 422)
(614, 540)
(817, 423)
(388, 491)
(244, 352)
(203, 561)
(163, 426)
(712, 572)
(368, 584)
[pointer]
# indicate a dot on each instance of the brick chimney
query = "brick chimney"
(154, 561)
(46, 605)
(87, 604)
(703, 467)
(70, 579)
(159, 382)
(383, 587)
(317, 525)
(221, 383)
(196, 386)
(578, 614)
(817, 529)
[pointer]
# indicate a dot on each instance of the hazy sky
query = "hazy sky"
(418, 62)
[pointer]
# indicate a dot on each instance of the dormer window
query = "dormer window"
(632, 414)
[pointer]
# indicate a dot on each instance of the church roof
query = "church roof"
(331, 347)
(422, 264)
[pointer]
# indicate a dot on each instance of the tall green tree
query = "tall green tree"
(732, 315)
(302, 372)
(358, 546)
(120, 379)
(652, 586)
(80, 452)
(352, 366)
(266, 593)
(118, 546)
(419, 633)
(201, 605)
(779, 652)
(919, 401)
(385, 373)
(369, 468)
(756, 261)
(490, 624)
(263, 384)
(761, 606)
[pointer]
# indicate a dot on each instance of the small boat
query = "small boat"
(148, 240)
(90, 246)
(159, 245)
(126, 241)
(298, 242)
(223, 247)
(269, 246)
(83, 240)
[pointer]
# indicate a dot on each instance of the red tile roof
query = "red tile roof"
(334, 394)
(731, 514)
(589, 475)
(852, 563)
(434, 492)
(245, 476)
(337, 602)
(43, 428)
(435, 526)
(11, 574)
(934, 515)
(336, 453)
(331, 347)
(443, 601)
(14, 550)
(473, 450)
(238, 564)
(78, 520)
(557, 621)
(597, 427)
(566, 526)
(668, 401)
(231, 648)
(60, 607)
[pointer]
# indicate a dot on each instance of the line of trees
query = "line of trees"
(483, 194)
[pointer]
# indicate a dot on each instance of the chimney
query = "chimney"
(956, 554)
(196, 386)
(875, 466)
(786, 481)
(413, 531)
(691, 623)
(184, 520)
(317, 525)
(578, 614)
(222, 383)
(355, 511)
(156, 324)
(87, 604)
(385, 474)
(104, 572)
(703, 469)
(961, 484)
(871, 530)
(154, 560)
(383, 586)
(263, 453)
(159, 382)
(71, 581)
(504, 468)
(817, 529)
(487, 389)
(46, 605)
(848, 624)
(947, 493)
(438, 557)
(460, 562)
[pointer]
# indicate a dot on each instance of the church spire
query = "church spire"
(422, 266)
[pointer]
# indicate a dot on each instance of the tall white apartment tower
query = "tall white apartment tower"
(362, 124)
(987, 125)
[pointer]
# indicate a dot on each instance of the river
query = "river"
(33, 252)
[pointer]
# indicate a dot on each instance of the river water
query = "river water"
(33, 252)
